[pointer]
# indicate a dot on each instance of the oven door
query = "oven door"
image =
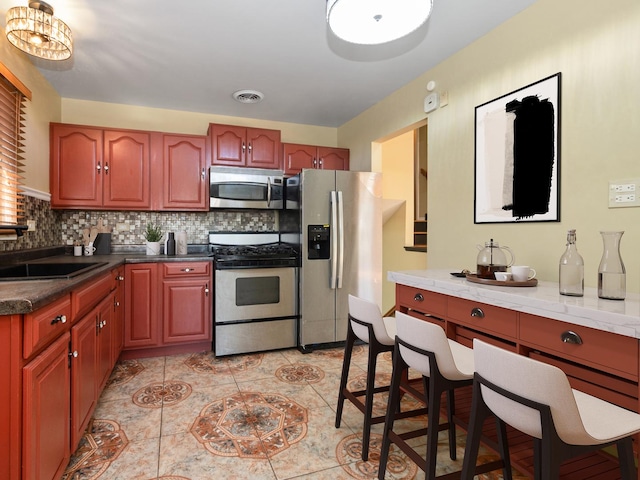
(254, 294)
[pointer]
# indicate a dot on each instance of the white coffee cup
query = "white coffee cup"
(89, 249)
(77, 250)
(522, 273)
(503, 276)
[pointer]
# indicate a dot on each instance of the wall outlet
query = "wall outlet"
(31, 225)
(624, 193)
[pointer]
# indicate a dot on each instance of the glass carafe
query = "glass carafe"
(612, 277)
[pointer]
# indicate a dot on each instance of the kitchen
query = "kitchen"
(593, 48)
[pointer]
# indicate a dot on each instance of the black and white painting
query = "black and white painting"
(517, 155)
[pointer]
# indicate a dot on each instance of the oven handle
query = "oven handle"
(340, 238)
(334, 240)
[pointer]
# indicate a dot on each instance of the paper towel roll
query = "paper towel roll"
(181, 243)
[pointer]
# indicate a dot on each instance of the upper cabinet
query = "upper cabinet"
(296, 157)
(97, 168)
(244, 147)
(185, 173)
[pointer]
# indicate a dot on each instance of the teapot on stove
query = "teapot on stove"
(492, 258)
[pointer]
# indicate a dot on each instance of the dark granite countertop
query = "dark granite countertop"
(25, 296)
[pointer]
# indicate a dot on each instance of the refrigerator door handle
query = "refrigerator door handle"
(334, 239)
(340, 238)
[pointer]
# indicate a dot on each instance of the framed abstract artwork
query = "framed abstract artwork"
(517, 155)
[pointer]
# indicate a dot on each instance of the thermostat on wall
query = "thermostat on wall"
(431, 102)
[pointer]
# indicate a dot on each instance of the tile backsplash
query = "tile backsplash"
(63, 227)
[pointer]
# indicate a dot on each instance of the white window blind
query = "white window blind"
(12, 100)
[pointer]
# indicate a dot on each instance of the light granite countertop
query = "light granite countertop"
(616, 316)
(25, 296)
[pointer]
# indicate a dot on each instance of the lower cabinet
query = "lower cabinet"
(168, 305)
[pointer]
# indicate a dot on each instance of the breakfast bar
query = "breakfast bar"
(594, 341)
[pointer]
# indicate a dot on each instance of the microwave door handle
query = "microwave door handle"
(340, 238)
(268, 191)
(334, 239)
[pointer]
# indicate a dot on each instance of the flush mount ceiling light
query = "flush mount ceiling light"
(371, 22)
(36, 31)
(248, 96)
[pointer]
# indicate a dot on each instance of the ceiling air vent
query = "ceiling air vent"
(248, 96)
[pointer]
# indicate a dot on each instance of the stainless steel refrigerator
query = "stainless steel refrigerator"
(339, 231)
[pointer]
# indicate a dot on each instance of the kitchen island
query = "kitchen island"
(594, 341)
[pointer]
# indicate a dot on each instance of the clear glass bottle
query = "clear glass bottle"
(612, 276)
(571, 269)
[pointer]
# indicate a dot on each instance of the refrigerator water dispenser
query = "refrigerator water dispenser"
(319, 242)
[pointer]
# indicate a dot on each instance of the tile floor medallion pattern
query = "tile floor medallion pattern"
(207, 362)
(300, 373)
(101, 445)
(250, 425)
(163, 393)
(349, 454)
(124, 371)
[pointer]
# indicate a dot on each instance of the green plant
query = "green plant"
(153, 233)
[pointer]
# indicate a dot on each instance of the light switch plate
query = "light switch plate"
(431, 102)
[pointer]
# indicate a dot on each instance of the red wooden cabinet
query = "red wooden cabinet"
(141, 306)
(186, 302)
(185, 173)
(118, 313)
(105, 327)
(46, 405)
(297, 156)
(97, 168)
(244, 147)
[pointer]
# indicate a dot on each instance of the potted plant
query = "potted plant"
(153, 234)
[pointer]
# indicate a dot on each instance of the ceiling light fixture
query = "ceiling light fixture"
(36, 31)
(371, 22)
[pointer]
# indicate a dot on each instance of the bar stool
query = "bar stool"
(367, 324)
(445, 365)
(537, 399)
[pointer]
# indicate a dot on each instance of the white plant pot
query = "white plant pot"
(153, 248)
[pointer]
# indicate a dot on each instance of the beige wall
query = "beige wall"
(43, 108)
(596, 49)
(85, 112)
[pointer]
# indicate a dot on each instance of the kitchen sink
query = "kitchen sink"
(45, 271)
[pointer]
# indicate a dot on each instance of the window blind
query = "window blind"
(11, 149)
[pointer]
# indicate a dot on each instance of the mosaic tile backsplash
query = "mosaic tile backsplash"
(63, 227)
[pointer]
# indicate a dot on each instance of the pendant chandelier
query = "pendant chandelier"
(36, 31)
(371, 22)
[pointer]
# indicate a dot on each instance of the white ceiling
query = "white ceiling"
(192, 55)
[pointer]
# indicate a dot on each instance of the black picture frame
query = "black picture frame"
(517, 155)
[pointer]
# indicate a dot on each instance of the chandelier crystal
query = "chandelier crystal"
(371, 22)
(36, 31)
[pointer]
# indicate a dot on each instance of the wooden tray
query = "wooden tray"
(472, 277)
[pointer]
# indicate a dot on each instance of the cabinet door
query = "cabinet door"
(296, 157)
(141, 306)
(228, 145)
(76, 166)
(263, 148)
(185, 173)
(105, 330)
(333, 158)
(118, 314)
(84, 385)
(126, 171)
(186, 310)
(46, 408)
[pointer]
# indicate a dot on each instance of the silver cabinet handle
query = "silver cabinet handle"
(250, 148)
(206, 289)
(106, 168)
(570, 336)
(418, 297)
(203, 174)
(99, 167)
(477, 312)
(244, 147)
(59, 319)
(187, 270)
(119, 278)
(73, 354)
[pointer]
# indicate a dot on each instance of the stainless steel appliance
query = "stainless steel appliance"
(338, 225)
(254, 188)
(256, 290)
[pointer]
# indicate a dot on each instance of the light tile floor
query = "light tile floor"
(266, 416)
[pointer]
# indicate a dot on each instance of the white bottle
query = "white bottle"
(571, 269)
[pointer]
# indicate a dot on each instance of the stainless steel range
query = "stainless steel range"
(256, 292)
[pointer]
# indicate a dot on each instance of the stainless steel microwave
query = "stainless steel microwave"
(253, 188)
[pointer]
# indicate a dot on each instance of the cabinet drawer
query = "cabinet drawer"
(483, 317)
(173, 269)
(45, 324)
(421, 300)
(86, 297)
(603, 350)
